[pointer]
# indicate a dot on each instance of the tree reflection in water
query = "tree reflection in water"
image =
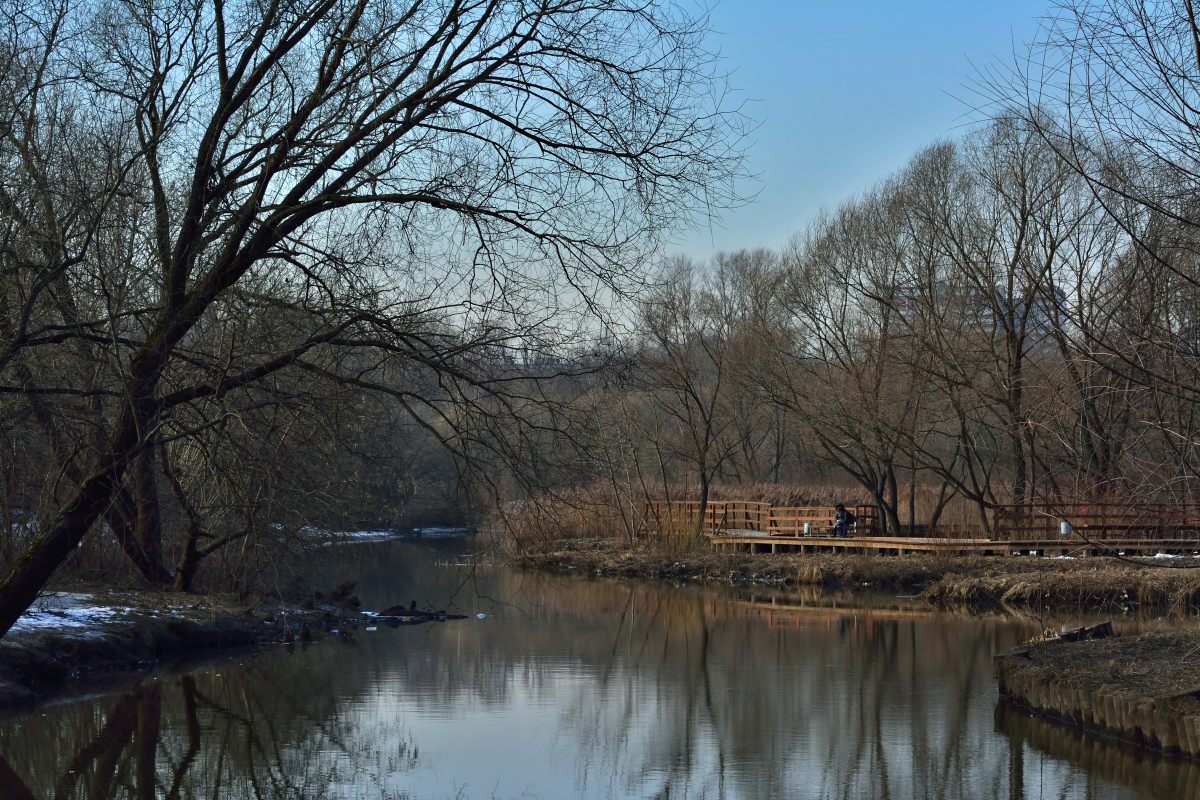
(1102, 761)
(221, 738)
(580, 689)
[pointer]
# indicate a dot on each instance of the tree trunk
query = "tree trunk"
(1020, 466)
(942, 500)
(189, 560)
(37, 564)
(892, 510)
(9, 500)
(704, 482)
(912, 497)
(1016, 420)
(123, 517)
(149, 520)
(95, 493)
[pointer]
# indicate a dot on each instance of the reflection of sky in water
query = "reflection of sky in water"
(592, 690)
(502, 750)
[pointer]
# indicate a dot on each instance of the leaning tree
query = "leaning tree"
(198, 196)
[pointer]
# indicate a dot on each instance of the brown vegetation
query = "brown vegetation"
(605, 512)
(970, 583)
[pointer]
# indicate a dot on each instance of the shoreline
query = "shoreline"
(966, 583)
(1141, 689)
(147, 632)
(68, 649)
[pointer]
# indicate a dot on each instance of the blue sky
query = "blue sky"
(846, 93)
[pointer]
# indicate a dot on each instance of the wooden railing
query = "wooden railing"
(1036, 521)
(1097, 521)
(721, 516)
(791, 520)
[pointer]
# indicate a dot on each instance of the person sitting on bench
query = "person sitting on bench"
(842, 520)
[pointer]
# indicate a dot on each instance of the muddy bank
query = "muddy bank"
(959, 582)
(1142, 689)
(68, 643)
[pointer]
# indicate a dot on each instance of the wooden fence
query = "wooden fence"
(1098, 522)
(680, 516)
(721, 516)
(790, 520)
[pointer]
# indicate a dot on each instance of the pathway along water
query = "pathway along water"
(571, 688)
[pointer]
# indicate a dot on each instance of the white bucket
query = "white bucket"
(1064, 528)
(808, 529)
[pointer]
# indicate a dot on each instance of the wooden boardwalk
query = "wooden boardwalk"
(1089, 530)
(748, 541)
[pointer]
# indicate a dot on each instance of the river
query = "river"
(574, 688)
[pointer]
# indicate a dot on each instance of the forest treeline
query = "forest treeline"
(1012, 317)
(976, 330)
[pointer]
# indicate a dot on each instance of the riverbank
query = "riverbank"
(71, 641)
(1142, 689)
(976, 583)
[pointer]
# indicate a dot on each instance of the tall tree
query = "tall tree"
(424, 182)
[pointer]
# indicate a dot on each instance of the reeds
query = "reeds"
(624, 515)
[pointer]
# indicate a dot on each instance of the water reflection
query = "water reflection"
(1101, 760)
(573, 688)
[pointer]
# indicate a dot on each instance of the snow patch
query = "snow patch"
(349, 537)
(67, 610)
(435, 533)
(365, 536)
(383, 535)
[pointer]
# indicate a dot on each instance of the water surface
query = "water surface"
(571, 688)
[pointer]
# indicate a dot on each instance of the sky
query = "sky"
(844, 93)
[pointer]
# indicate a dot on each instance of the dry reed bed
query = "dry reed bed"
(599, 511)
(967, 582)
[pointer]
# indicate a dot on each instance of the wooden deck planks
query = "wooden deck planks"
(757, 542)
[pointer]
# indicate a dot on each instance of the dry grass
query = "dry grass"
(603, 558)
(1099, 585)
(1138, 688)
(600, 512)
(550, 521)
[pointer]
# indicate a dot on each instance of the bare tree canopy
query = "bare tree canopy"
(201, 197)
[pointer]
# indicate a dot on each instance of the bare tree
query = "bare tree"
(686, 369)
(850, 371)
(1111, 88)
(421, 182)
